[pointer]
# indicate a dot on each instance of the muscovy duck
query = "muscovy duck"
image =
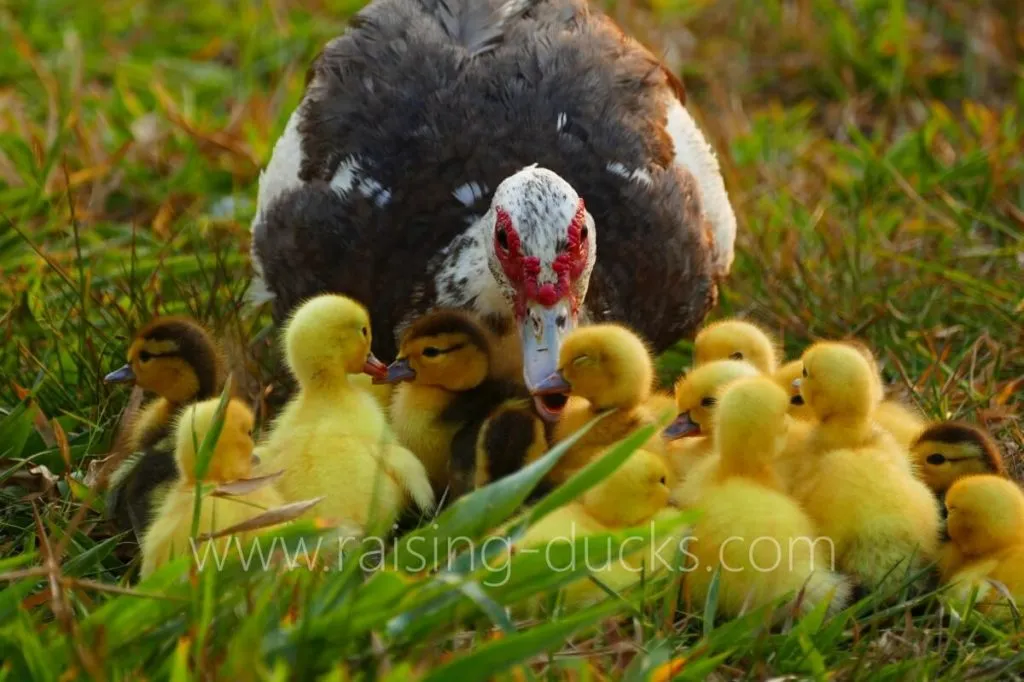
(480, 154)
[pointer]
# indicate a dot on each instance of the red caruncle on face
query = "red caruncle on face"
(523, 272)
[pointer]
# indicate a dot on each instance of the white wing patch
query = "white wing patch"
(470, 193)
(350, 177)
(635, 175)
(282, 172)
(695, 155)
(280, 175)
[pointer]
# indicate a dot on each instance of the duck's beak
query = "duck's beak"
(682, 427)
(374, 367)
(796, 398)
(554, 384)
(541, 331)
(120, 376)
(397, 371)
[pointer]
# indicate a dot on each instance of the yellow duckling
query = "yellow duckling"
(633, 495)
(986, 529)
(902, 422)
(171, 532)
(736, 340)
(446, 390)
(603, 367)
(692, 434)
(786, 377)
(841, 390)
(765, 543)
(948, 451)
(332, 439)
(854, 480)
(176, 359)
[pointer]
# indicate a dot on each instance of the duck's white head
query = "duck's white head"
(541, 253)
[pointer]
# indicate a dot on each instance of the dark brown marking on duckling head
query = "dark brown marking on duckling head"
(174, 357)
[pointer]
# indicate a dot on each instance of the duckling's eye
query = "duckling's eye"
(145, 356)
(365, 332)
(663, 481)
(936, 459)
(431, 352)
(708, 402)
(736, 356)
(805, 372)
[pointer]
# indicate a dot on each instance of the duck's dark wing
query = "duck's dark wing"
(421, 97)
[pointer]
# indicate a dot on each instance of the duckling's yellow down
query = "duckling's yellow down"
(763, 544)
(606, 367)
(635, 494)
(170, 534)
(986, 529)
(332, 439)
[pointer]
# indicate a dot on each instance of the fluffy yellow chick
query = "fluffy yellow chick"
(332, 439)
(736, 340)
(986, 530)
(634, 494)
(603, 367)
(179, 362)
(766, 545)
(691, 435)
(171, 532)
(948, 451)
(840, 388)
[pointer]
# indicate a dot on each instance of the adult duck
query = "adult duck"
(479, 154)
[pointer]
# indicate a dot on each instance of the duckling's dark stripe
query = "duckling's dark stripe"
(507, 441)
(476, 404)
(195, 346)
(449, 349)
(447, 322)
(956, 433)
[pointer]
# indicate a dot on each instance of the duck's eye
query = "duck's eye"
(503, 238)
(708, 402)
(365, 332)
(584, 233)
(805, 372)
(145, 356)
(431, 352)
(736, 356)
(936, 459)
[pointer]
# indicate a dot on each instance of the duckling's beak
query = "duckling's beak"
(796, 399)
(120, 376)
(374, 367)
(398, 371)
(682, 427)
(555, 383)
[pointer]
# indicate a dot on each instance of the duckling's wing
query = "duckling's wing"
(414, 116)
(137, 485)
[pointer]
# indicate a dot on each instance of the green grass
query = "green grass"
(872, 152)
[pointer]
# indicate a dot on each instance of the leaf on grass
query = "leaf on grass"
(271, 517)
(1008, 390)
(62, 443)
(244, 486)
